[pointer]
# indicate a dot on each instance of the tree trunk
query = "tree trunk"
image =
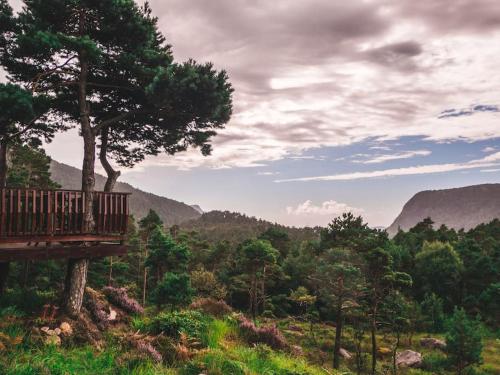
(3, 164)
(394, 353)
(4, 274)
(112, 175)
(374, 341)
(145, 279)
(76, 277)
(110, 276)
(4, 267)
(338, 335)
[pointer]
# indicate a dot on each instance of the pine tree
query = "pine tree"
(81, 53)
(463, 341)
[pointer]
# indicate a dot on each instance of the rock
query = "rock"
(297, 350)
(53, 340)
(66, 329)
(57, 331)
(408, 358)
(345, 354)
(384, 351)
(432, 343)
(112, 315)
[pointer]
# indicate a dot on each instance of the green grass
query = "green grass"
(82, 360)
(222, 352)
(216, 331)
(250, 361)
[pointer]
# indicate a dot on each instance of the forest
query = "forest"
(283, 300)
(222, 294)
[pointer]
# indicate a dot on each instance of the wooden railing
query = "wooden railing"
(28, 215)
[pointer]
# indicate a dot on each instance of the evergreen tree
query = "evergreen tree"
(256, 257)
(174, 289)
(463, 341)
(77, 52)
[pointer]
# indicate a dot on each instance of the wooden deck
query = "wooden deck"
(48, 224)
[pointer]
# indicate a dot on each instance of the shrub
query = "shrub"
(207, 285)
(191, 323)
(174, 290)
(269, 335)
(463, 341)
(210, 306)
(434, 363)
(120, 298)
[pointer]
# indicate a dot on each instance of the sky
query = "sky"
(338, 106)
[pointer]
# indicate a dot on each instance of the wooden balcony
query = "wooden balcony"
(30, 218)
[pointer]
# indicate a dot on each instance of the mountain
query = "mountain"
(235, 227)
(171, 211)
(198, 208)
(458, 208)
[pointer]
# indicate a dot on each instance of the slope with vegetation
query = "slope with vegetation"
(171, 211)
(459, 208)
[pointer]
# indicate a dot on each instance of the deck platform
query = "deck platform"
(48, 224)
(40, 253)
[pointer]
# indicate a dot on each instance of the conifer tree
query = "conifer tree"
(81, 52)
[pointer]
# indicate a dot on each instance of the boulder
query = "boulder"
(345, 354)
(66, 329)
(112, 315)
(432, 343)
(408, 358)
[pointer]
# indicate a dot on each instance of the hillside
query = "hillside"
(458, 208)
(171, 211)
(234, 227)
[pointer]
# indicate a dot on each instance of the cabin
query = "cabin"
(48, 224)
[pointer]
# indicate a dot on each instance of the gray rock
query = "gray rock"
(432, 343)
(408, 358)
(345, 354)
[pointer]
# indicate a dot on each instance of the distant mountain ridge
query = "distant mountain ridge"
(464, 207)
(235, 227)
(170, 211)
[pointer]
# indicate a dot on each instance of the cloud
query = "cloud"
(468, 111)
(490, 170)
(488, 149)
(267, 173)
(325, 73)
(377, 159)
(492, 160)
(307, 213)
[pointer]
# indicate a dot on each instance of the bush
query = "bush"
(269, 335)
(174, 290)
(434, 363)
(207, 285)
(212, 307)
(120, 298)
(463, 341)
(192, 323)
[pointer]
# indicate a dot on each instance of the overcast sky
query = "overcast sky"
(339, 105)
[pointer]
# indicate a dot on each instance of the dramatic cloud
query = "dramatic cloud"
(308, 212)
(492, 160)
(316, 73)
(328, 73)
